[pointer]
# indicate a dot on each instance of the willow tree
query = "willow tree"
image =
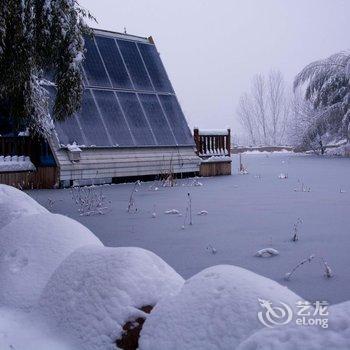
(40, 39)
(327, 88)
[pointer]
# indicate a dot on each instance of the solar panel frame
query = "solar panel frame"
(94, 68)
(158, 120)
(118, 128)
(179, 124)
(114, 63)
(88, 118)
(155, 68)
(135, 65)
(142, 121)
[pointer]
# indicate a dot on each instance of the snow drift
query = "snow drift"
(96, 290)
(215, 309)
(31, 248)
(23, 331)
(15, 204)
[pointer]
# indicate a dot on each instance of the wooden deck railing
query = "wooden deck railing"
(20, 146)
(44, 176)
(213, 142)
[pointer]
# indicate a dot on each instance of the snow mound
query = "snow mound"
(172, 211)
(31, 248)
(97, 290)
(336, 336)
(15, 204)
(267, 253)
(216, 309)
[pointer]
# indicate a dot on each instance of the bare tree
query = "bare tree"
(247, 119)
(264, 112)
(259, 97)
(277, 104)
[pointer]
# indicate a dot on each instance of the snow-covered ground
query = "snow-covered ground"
(62, 289)
(246, 213)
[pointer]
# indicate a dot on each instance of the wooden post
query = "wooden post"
(228, 142)
(197, 141)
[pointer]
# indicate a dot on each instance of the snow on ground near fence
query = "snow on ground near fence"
(31, 248)
(216, 309)
(15, 204)
(246, 213)
(256, 151)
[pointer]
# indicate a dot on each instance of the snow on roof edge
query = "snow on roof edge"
(119, 35)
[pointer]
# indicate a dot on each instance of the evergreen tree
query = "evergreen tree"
(40, 38)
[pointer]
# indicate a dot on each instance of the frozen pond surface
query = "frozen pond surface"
(245, 214)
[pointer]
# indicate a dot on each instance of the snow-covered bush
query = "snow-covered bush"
(96, 290)
(216, 309)
(90, 200)
(31, 248)
(15, 204)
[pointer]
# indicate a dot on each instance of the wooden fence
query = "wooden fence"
(43, 177)
(20, 146)
(214, 147)
(213, 142)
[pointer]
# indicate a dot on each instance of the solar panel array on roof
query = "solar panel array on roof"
(128, 99)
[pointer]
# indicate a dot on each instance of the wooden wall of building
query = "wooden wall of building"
(110, 163)
(40, 179)
(215, 168)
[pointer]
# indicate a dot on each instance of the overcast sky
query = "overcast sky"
(211, 49)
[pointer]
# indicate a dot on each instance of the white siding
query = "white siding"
(100, 163)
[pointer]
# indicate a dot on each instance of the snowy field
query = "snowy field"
(245, 214)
